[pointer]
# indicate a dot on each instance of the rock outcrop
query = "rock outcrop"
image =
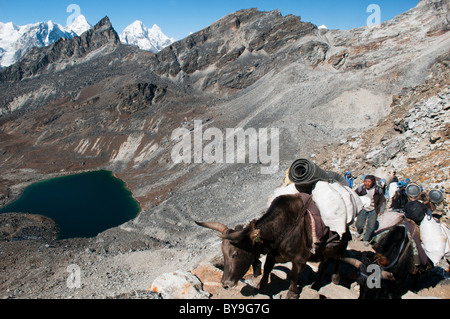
(179, 285)
(234, 52)
(138, 96)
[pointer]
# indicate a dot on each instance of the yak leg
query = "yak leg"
(268, 267)
(322, 269)
(256, 268)
(336, 277)
(295, 273)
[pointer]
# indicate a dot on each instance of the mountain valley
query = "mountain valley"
(92, 103)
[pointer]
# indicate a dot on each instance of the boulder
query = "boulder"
(210, 276)
(333, 291)
(435, 136)
(308, 293)
(380, 157)
(179, 285)
(411, 295)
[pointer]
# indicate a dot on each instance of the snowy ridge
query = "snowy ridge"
(146, 39)
(15, 40)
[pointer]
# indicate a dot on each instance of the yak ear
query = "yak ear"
(255, 234)
(235, 236)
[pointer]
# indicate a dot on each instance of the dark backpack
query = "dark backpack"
(399, 200)
(415, 211)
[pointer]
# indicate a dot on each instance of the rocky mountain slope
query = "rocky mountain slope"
(412, 140)
(91, 103)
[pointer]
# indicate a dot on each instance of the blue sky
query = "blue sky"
(177, 18)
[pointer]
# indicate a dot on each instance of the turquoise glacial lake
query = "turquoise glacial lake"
(83, 205)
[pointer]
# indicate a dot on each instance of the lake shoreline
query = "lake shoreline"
(83, 204)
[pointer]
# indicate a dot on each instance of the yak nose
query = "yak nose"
(227, 284)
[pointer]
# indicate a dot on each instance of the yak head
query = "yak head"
(369, 281)
(393, 252)
(239, 251)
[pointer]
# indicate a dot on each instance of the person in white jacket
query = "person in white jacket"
(375, 206)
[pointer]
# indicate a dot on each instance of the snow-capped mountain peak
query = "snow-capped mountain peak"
(137, 26)
(146, 39)
(15, 40)
(79, 25)
(156, 30)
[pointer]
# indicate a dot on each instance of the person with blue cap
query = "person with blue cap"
(400, 198)
(349, 178)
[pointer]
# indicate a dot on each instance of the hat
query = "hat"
(401, 184)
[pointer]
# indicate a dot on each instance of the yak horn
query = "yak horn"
(221, 228)
(387, 275)
(352, 261)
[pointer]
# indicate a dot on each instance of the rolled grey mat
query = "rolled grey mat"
(304, 171)
(436, 196)
(337, 178)
(413, 190)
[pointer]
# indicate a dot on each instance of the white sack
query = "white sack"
(356, 201)
(282, 190)
(434, 240)
(389, 219)
(446, 232)
(346, 194)
(331, 206)
(393, 187)
(345, 197)
(338, 205)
